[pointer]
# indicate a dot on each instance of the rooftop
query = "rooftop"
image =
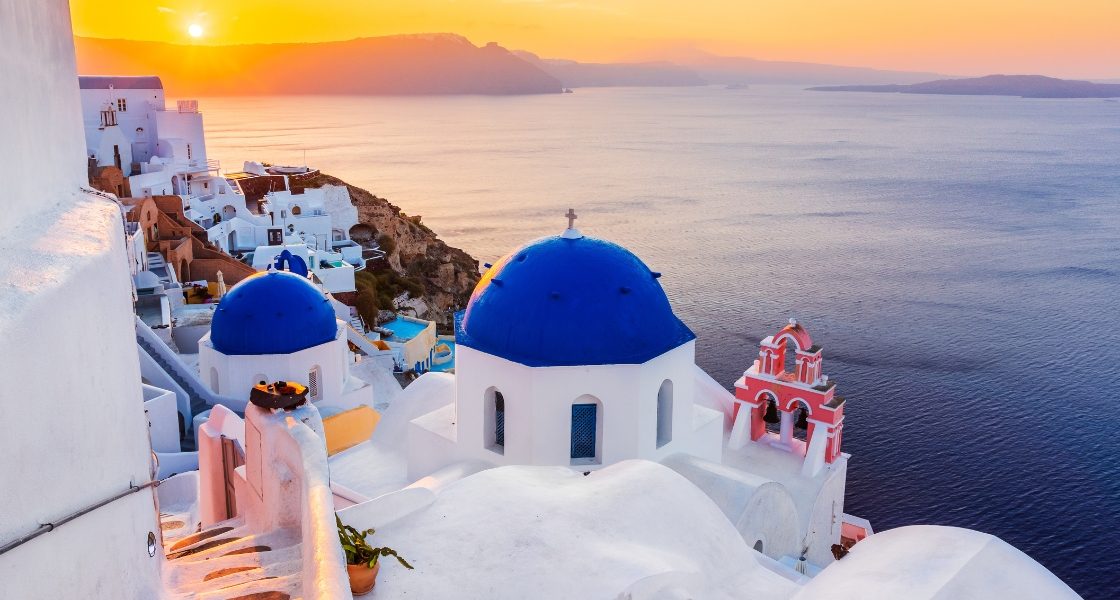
(118, 82)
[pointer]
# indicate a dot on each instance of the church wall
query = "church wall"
(237, 374)
(475, 372)
(677, 366)
(76, 433)
(761, 509)
(824, 521)
(538, 409)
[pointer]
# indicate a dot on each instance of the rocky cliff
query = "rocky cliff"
(447, 275)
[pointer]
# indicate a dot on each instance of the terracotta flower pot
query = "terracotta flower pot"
(362, 578)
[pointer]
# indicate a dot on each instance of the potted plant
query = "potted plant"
(361, 558)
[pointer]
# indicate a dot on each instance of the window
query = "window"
(296, 210)
(494, 405)
(122, 104)
(214, 380)
(586, 431)
(665, 413)
(499, 419)
(314, 385)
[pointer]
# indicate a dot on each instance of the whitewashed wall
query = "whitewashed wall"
(538, 411)
(76, 432)
(237, 374)
(140, 105)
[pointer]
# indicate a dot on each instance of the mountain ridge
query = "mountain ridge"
(420, 64)
(1024, 86)
(431, 64)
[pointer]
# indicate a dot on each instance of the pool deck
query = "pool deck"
(449, 365)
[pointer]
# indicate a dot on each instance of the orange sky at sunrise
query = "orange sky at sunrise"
(1078, 38)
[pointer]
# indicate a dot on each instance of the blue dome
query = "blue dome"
(561, 301)
(272, 313)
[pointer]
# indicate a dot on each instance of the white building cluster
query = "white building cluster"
(140, 148)
(577, 451)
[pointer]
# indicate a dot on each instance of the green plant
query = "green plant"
(357, 549)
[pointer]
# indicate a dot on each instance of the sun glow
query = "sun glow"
(955, 37)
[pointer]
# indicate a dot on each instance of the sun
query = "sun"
(195, 30)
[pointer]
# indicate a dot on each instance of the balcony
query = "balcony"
(202, 166)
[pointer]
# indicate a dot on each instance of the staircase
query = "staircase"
(228, 561)
(192, 386)
(357, 323)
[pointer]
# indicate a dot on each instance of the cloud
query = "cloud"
(164, 9)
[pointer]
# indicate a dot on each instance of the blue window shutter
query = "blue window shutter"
(499, 420)
(583, 430)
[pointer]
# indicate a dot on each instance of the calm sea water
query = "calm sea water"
(958, 258)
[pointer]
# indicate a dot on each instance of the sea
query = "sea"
(957, 258)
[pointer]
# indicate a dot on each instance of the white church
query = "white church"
(569, 354)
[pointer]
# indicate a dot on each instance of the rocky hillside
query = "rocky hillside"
(414, 252)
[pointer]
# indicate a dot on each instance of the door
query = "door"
(232, 457)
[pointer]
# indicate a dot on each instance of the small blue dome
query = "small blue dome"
(272, 313)
(570, 301)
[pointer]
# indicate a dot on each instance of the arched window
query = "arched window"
(790, 365)
(587, 431)
(758, 546)
(214, 380)
(296, 210)
(800, 421)
(495, 421)
(770, 414)
(315, 383)
(665, 413)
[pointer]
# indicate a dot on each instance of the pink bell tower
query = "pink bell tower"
(798, 398)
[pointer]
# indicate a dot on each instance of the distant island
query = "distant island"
(1025, 86)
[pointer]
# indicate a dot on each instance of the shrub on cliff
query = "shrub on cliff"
(387, 244)
(377, 291)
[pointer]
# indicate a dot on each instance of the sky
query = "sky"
(1064, 38)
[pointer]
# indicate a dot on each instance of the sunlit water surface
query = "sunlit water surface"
(958, 258)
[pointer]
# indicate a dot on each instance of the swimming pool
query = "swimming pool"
(404, 330)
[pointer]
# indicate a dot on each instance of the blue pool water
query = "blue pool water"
(449, 365)
(958, 258)
(403, 330)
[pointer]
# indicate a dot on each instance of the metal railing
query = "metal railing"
(49, 527)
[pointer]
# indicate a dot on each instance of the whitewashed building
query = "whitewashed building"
(278, 326)
(160, 151)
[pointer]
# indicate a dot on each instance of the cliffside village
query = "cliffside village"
(194, 230)
(245, 449)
